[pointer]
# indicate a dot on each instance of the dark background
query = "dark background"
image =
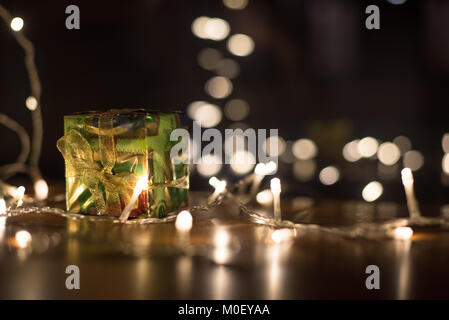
(315, 65)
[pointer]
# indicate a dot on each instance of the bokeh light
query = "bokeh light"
(235, 4)
(209, 165)
(218, 87)
(351, 151)
(413, 159)
(329, 175)
(274, 146)
(304, 149)
(265, 197)
(445, 163)
(367, 147)
(209, 58)
(17, 24)
(208, 114)
(227, 68)
(242, 162)
(404, 144)
(445, 142)
(198, 27)
(23, 238)
(236, 109)
(240, 45)
(31, 103)
(304, 170)
(372, 191)
(216, 29)
(388, 153)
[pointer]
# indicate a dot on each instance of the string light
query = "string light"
(412, 203)
(20, 192)
(17, 24)
(276, 191)
(31, 103)
(41, 189)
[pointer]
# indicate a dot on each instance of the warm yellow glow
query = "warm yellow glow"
(304, 170)
(413, 159)
(275, 185)
(388, 153)
(445, 142)
(41, 189)
(198, 27)
(2, 206)
(282, 235)
(372, 191)
(19, 195)
(265, 197)
(351, 151)
(271, 167)
(236, 109)
(407, 177)
(404, 144)
(242, 162)
(184, 221)
(403, 233)
(221, 186)
(209, 165)
(141, 185)
(214, 181)
(216, 29)
(209, 58)
(274, 146)
(235, 4)
(445, 163)
(367, 147)
(222, 238)
(240, 45)
(23, 238)
(227, 68)
(31, 103)
(208, 114)
(218, 87)
(329, 175)
(17, 24)
(304, 149)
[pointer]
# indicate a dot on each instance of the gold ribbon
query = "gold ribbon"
(80, 162)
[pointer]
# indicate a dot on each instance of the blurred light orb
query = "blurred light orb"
(209, 165)
(242, 162)
(199, 27)
(17, 24)
(192, 108)
(367, 147)
(404, 144)
(208, 114)
(222, 238)
(235, 4)
(2, 206)
(264, 197)
(218, 87)
(445, 163)
(184, 221)
(236, 109)
(41, 189)
(445, 142)
(23, 238)
(397, 2)
(372, 191)
(274, 146)
(216, 29)
(351, 151)
(403, 233)
(413, 159)
(31, 103)
(304, 170)
(209, 58)
(282, 235)
(234, 143)
(227, 68)
(329, 175)
(240, 45)
(304, 149)
(388, 153)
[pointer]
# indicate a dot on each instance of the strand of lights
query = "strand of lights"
(276, 191)
(412, 203)
(183, 225)
(31, 153)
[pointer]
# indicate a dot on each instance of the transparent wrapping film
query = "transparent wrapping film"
(107, 153)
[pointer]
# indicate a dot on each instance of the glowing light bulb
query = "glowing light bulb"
(282, 235)
(275, 185)
(31, 103)
(23, 238)
(222, 238)
(403, 233)
(184, 221)
(264, 197)
(41, 189)
(2, 206)
(372, 191)
(17, 24)
(19, 195)
(407, 177)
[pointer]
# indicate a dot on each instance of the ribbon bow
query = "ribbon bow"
(79, 157)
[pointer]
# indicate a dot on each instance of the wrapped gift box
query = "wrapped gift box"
(107, 153)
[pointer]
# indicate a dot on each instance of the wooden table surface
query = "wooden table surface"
(144, 262)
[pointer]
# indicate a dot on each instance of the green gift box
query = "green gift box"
(107, 153)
